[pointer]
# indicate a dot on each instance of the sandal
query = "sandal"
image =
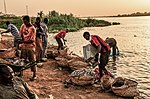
(33, 78)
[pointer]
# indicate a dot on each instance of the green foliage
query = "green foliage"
(59, 21)
(95, 23)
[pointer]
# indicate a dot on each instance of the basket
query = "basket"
(125, 87)
(106, 82)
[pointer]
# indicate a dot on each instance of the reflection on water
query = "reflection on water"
(133, 37)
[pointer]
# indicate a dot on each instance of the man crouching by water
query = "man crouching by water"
(102, 48)
(59, 36)
(113, 44)
(13, 87)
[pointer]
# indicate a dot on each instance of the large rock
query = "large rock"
(4, 61)
(7, 43)
(76, 64)
(10, 53)
(62, 62)
(52, 53)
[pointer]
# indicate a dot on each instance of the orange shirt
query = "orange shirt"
(28, 33)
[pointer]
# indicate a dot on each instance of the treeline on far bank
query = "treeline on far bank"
(57, 21)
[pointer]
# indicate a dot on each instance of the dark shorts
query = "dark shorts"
(104, 58)
(29, 53)
(60, 43)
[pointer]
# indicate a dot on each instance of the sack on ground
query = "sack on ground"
(83, 77)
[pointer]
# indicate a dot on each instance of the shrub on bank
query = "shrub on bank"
(59, 21)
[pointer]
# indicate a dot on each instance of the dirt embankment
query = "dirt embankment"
(51, 80)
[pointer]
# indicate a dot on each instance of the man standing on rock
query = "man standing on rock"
(28, 34)
(102, 48)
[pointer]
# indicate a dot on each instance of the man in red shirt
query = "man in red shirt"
(59, 36)
(28, 34)
(102, 48)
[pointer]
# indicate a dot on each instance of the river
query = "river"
(133, 37)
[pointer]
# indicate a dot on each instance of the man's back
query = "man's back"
(45, 28)
(111, 41)
(61, 34)
(96, 40)
(14, 31)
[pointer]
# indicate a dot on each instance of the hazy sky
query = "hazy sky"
(77, 7)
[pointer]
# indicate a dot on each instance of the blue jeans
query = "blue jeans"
(44, 44)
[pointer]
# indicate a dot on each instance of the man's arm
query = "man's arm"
(7, 31)
(30, 93)
(99, 48)
(64, 40)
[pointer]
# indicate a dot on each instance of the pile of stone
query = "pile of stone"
(65, 59)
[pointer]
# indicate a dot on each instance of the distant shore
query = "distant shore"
(137, 14)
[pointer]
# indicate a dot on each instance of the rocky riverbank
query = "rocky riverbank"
(53, 73)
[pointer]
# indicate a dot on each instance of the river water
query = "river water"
(133, 37)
